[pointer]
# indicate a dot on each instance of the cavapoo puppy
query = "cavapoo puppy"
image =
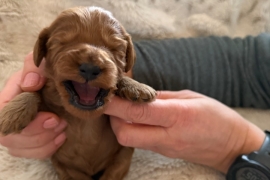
(87, 53)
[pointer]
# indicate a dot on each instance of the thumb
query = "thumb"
(183, 94)
(32, 77)
(42, 121)
(11, 89)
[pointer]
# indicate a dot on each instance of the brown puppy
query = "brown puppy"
(87, 52)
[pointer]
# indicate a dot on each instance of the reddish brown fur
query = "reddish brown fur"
(83, 35)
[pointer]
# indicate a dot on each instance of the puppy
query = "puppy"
(87, 53)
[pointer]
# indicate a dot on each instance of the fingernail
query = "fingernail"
(31, 79)
(60, 139)
(50, 123)
(61, 126)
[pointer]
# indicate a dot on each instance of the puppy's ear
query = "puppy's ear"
(130, 53)
(40, 48)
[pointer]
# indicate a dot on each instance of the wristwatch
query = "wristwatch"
(254, 166)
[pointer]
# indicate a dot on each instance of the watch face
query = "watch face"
(249, 173)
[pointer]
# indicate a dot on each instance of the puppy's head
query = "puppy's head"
(86, 51)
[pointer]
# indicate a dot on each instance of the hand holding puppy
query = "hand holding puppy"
(41, 138)
(185, 125)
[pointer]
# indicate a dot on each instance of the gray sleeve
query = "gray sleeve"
(233, 71)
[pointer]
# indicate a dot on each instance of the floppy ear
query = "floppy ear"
(130, 53)
(40, 48)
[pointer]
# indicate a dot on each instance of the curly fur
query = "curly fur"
(83, 35)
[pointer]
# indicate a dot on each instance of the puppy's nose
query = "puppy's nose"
(89, 71)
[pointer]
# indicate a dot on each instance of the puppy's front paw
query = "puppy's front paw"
(135, 91)
(18, 113)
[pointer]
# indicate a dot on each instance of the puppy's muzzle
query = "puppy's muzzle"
(89, 71)
(84, 95)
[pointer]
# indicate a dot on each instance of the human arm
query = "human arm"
(185, 125)
(234, 71)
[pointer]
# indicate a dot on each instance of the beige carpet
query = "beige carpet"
(21, 21)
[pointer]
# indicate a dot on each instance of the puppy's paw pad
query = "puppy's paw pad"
(144, 93)
(18, 113)
(135, 91)
(138, 93)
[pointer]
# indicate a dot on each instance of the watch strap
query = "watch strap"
(263, 154)
(255, 166)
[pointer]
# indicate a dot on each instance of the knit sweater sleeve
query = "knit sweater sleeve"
(233, 71)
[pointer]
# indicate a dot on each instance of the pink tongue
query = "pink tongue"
(86, 92)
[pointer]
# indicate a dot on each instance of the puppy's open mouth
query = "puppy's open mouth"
(85, 96)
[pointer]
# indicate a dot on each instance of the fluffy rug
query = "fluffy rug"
(21, 21)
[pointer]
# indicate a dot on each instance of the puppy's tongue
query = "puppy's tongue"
(86, 92)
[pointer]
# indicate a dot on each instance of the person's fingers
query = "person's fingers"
(136, 135)
(38, 133)
(42, 121)
(158, 113)
(11, 89)
(129, 74)
(32, 76)
(184, 94)
(42, 152)
(18, 141)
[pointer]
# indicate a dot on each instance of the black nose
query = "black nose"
(89, 71)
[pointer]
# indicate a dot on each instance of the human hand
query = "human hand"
(185, 125)
(44, 135)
